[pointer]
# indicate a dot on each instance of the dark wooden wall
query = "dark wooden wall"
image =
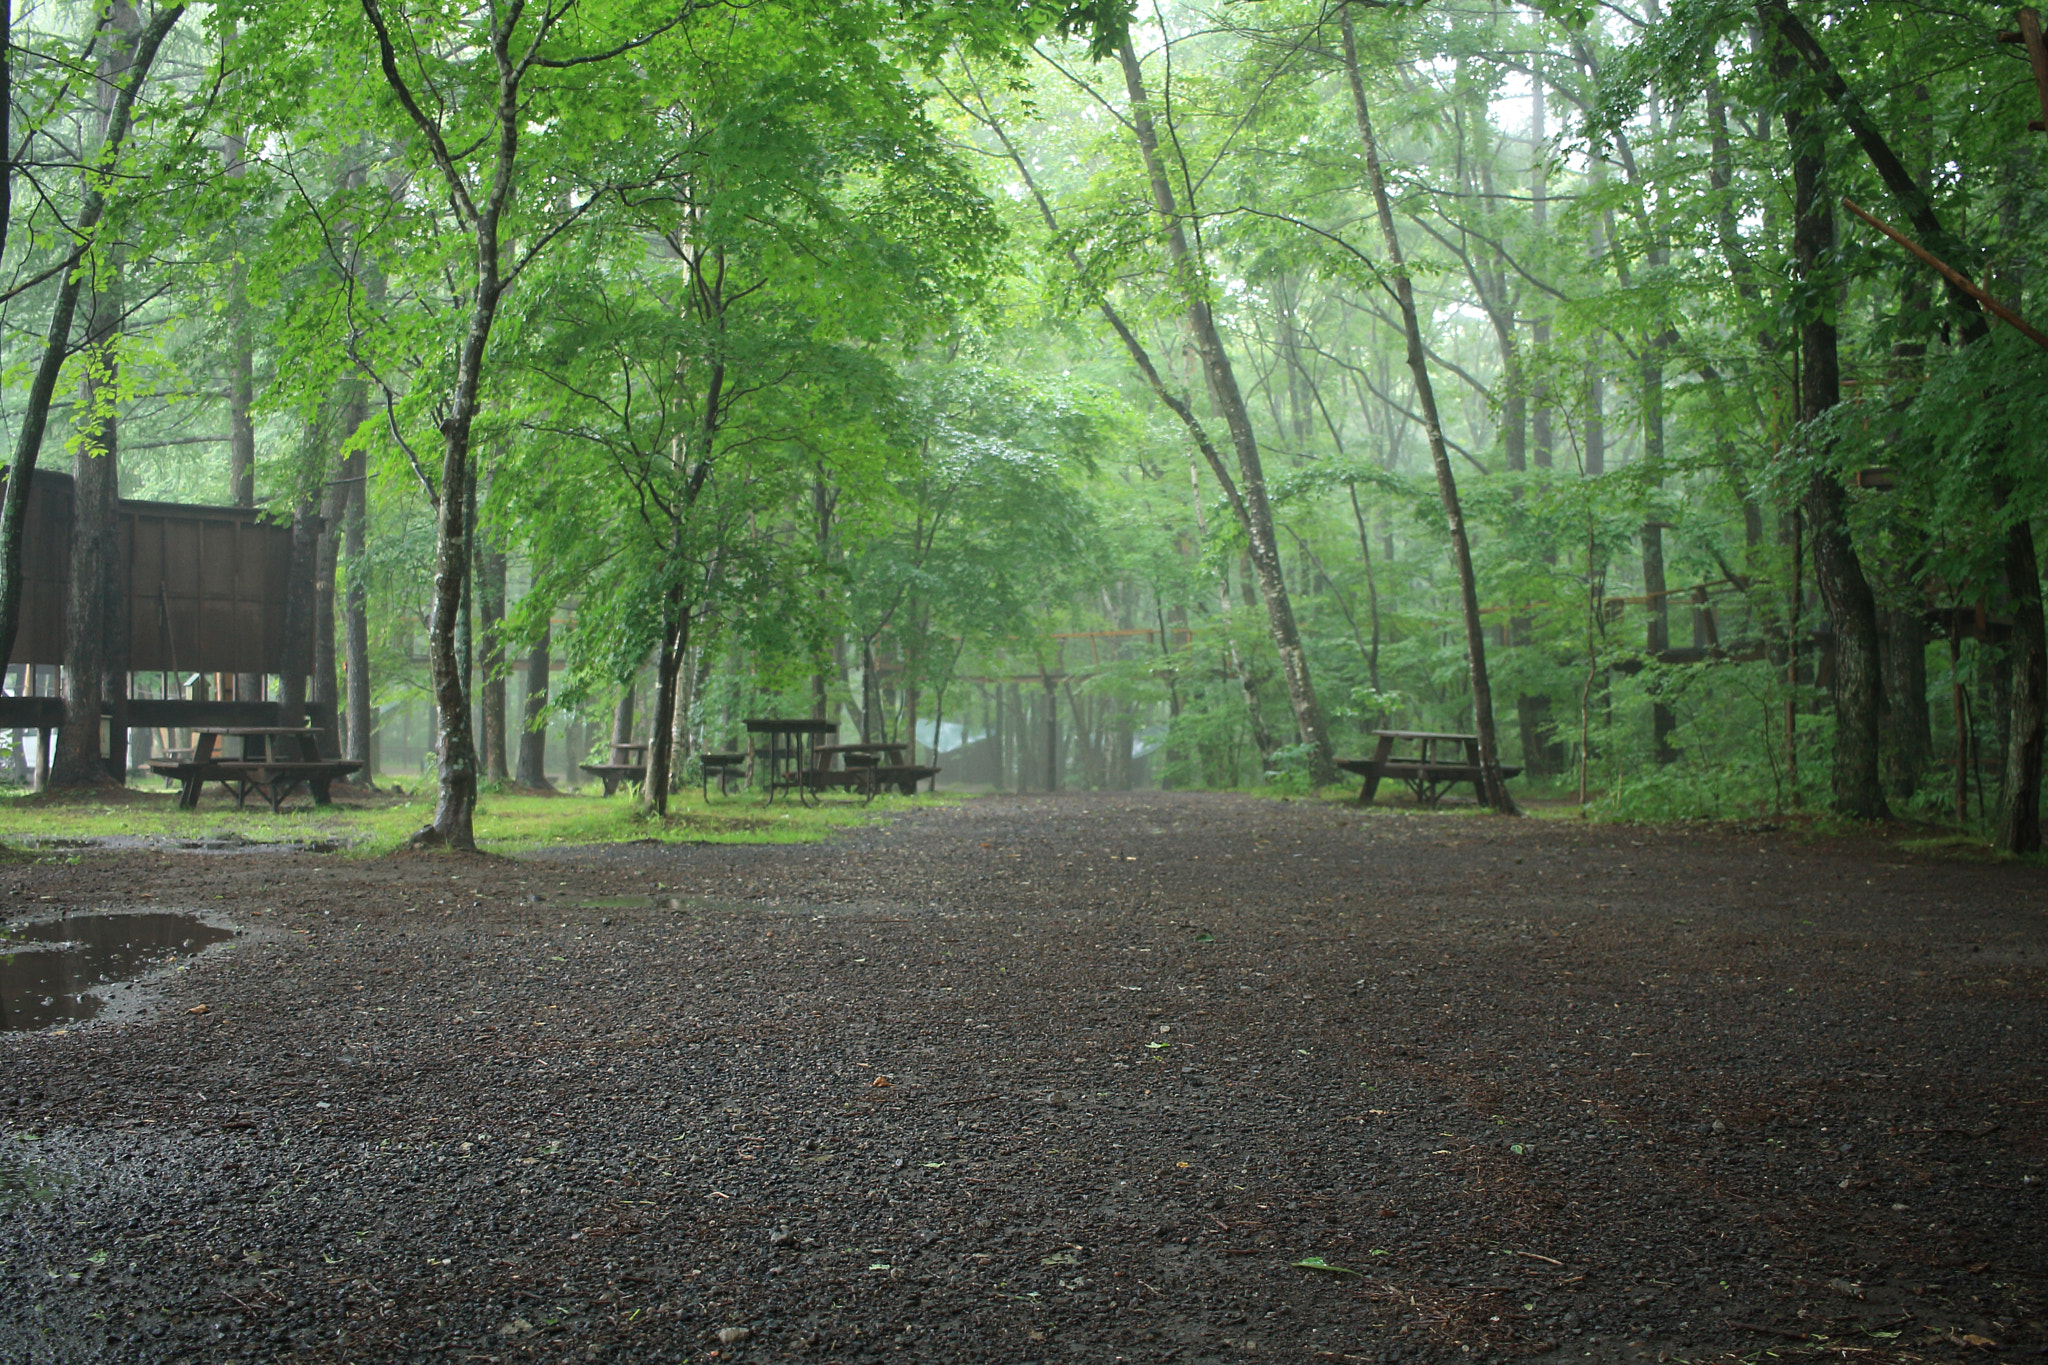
(206, 585)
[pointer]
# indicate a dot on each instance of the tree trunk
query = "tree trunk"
(355, 622)
(299, 614)
(1539, 219)
(35, 415)
(622, 716)
(1657, 637)
(2019, 821)
(675, 647)
(95, 473)
(1907, 720)
(1250, 501)
(241, 394)
(533, 734)
(1856, 778)
(2019, 804)
(1493, 787)
(334, 507)
(79, 759)
(491, 592)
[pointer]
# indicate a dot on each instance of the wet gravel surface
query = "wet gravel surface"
(1047, 1079)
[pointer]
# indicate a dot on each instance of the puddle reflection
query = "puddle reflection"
(48, 971)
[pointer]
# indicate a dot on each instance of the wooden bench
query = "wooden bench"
(612, 774)
(628, 765)
(1428, 772)
(904, 776)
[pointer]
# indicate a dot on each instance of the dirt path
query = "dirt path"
(1071, 1078)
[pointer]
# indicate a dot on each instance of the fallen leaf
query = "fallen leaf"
(878, 1082)
(197, 1009)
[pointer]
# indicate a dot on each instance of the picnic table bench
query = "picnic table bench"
(866, 768)
(1422, 763)
(628, 764)
(275, 761)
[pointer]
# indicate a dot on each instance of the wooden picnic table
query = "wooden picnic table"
(629, 762)
(789, 760)
(1419, 759)
(274, 761)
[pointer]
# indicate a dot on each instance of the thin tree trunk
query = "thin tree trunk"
(491, 592)
(241, 387)
(1493, 788)
(622, 716)
(1250, 501)
(533, 735)
(1856, 777)
(675, 647)
(1657, 635)
(35, 413)
(455, 804)
(299, 611)
(334, 507)
(355, 619)
(95, 472)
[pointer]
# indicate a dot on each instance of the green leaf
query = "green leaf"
(1317, 1263)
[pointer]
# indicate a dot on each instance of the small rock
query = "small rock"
(733, 1336)
(781, 1237)
(518, 1327)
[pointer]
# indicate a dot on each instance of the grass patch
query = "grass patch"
(505, 823)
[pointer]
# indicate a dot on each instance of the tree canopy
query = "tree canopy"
(1088, 395)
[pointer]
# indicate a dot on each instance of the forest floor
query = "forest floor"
(1070, 1078)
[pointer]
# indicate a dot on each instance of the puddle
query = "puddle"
(54, 971)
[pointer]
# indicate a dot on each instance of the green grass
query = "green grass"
(504, 823)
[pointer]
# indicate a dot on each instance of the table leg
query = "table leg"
(1381, 752)
(188, 792)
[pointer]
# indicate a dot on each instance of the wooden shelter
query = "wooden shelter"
(204, 591)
